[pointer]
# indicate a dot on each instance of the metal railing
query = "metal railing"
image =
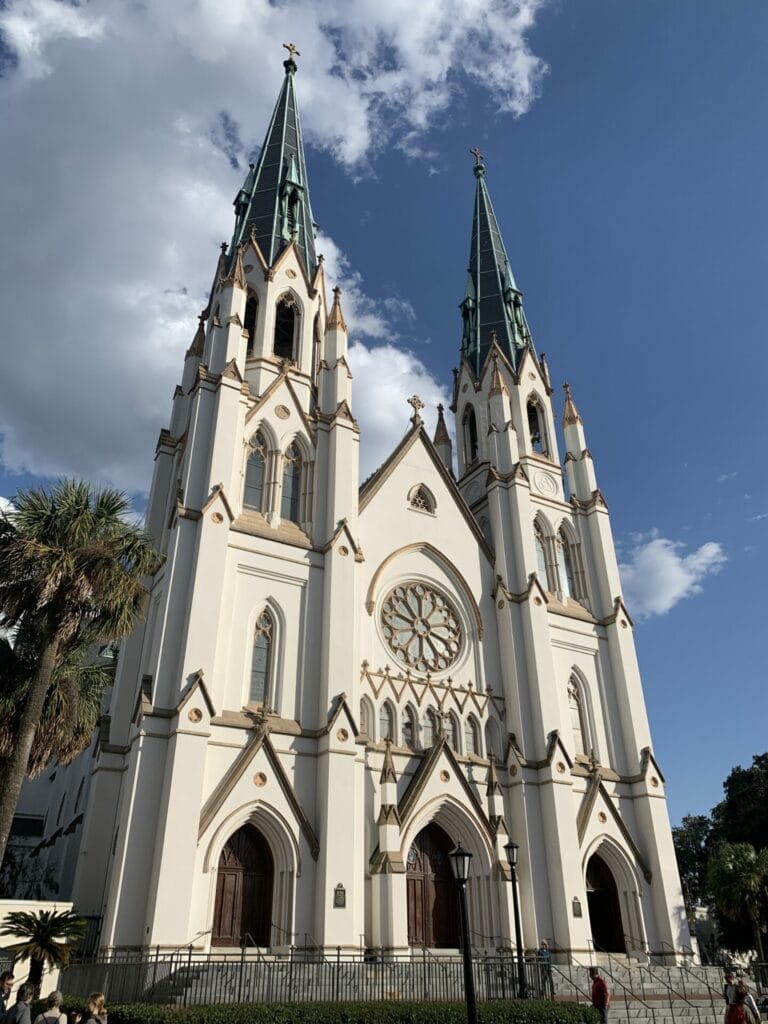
(673, 995)
(626, 991)
(188, 978)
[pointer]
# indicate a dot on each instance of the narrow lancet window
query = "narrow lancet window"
(249, 326)
(430, 729)
(536, 430)
(253, 494)
(285, 327)
(452, 733)
(577, 717)
(261, 664)
(386, 722)
(470, 435)
(471, 737)
(291, 500)
(409, 729)
(541, 557)
(565, 566)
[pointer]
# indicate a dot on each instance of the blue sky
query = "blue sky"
(626, 148)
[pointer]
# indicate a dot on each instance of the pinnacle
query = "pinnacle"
(335, 321)
(570, 412)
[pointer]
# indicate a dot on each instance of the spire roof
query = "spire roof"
(273, 204)
(492, 300)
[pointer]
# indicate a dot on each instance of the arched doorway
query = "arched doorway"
(243, 911)
(604, 907)
(433, 913)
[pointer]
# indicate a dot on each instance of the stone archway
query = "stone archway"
(433, 912)
(604, 907)
(244, 882)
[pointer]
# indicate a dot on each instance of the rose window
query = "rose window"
(421, 627)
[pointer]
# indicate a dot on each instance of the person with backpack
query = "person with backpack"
(53, 1014)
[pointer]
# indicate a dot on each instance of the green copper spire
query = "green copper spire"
(273, 203)
(492, 306)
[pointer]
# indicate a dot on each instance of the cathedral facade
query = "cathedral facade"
(335, 684)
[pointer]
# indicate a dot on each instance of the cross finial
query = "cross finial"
(417, 404)
(293, 50)
(477, 155)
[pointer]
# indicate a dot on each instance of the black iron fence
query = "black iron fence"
(187, 978)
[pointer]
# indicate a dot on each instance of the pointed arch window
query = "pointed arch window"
(578, 721)
(430, 729)
(290, 505)
(366, 717)
(255, 471)
(386, 722)
(409, 729)
(536, 428)
(471, 737)
(421, 499)
(565, 566)
(249, 325)
(541, 556)
(286, 317)
(492, 743)
(452, 733)
(261, 662)
(470, 435)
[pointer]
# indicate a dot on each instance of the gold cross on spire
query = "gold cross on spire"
(477, 155)
(292, 50)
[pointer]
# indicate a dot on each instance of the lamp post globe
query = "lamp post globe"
(461, 860)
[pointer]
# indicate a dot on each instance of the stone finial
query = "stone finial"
(479, 168)
(441, 431)
(570, 412)
(492, 786)
(196, 348)
(335, 321)
(498, 386)
(388, 765)
(418, 405)
(236, 275)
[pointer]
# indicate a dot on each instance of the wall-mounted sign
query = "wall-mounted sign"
(339, 897)
(576, 906)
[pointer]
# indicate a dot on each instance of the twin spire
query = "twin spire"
(492, 309)
(273, 207)
(273, 204)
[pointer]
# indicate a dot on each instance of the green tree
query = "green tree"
(72, 573)
(43, 939)
(742, 817)
(691, 838)
(737, 874)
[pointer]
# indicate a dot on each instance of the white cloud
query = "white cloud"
(726, 476)
(5, 505)
(119, 125)
(758, 518)
(658, 575)
(384, 377)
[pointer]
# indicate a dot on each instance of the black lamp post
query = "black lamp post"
(460, 861)
(512, 850)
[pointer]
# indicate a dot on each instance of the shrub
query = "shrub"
(507, 1011)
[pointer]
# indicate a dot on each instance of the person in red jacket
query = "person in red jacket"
(601, 998)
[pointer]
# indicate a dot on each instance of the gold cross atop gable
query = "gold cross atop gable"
(292, 50)
(477, 155)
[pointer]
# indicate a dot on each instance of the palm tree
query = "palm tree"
(43, 937)
(737, 875)
(72, 573)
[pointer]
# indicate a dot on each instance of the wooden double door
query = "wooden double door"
(243, 911)
(433, 908)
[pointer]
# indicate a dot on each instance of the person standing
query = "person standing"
(6, 984)
(601, 997)
(19, 1013)
(545, 967)
(53, 1014)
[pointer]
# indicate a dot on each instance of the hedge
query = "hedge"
(502, 1011)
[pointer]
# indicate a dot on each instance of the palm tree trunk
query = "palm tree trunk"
(36, 975)
(13, 769)
(758, 938)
